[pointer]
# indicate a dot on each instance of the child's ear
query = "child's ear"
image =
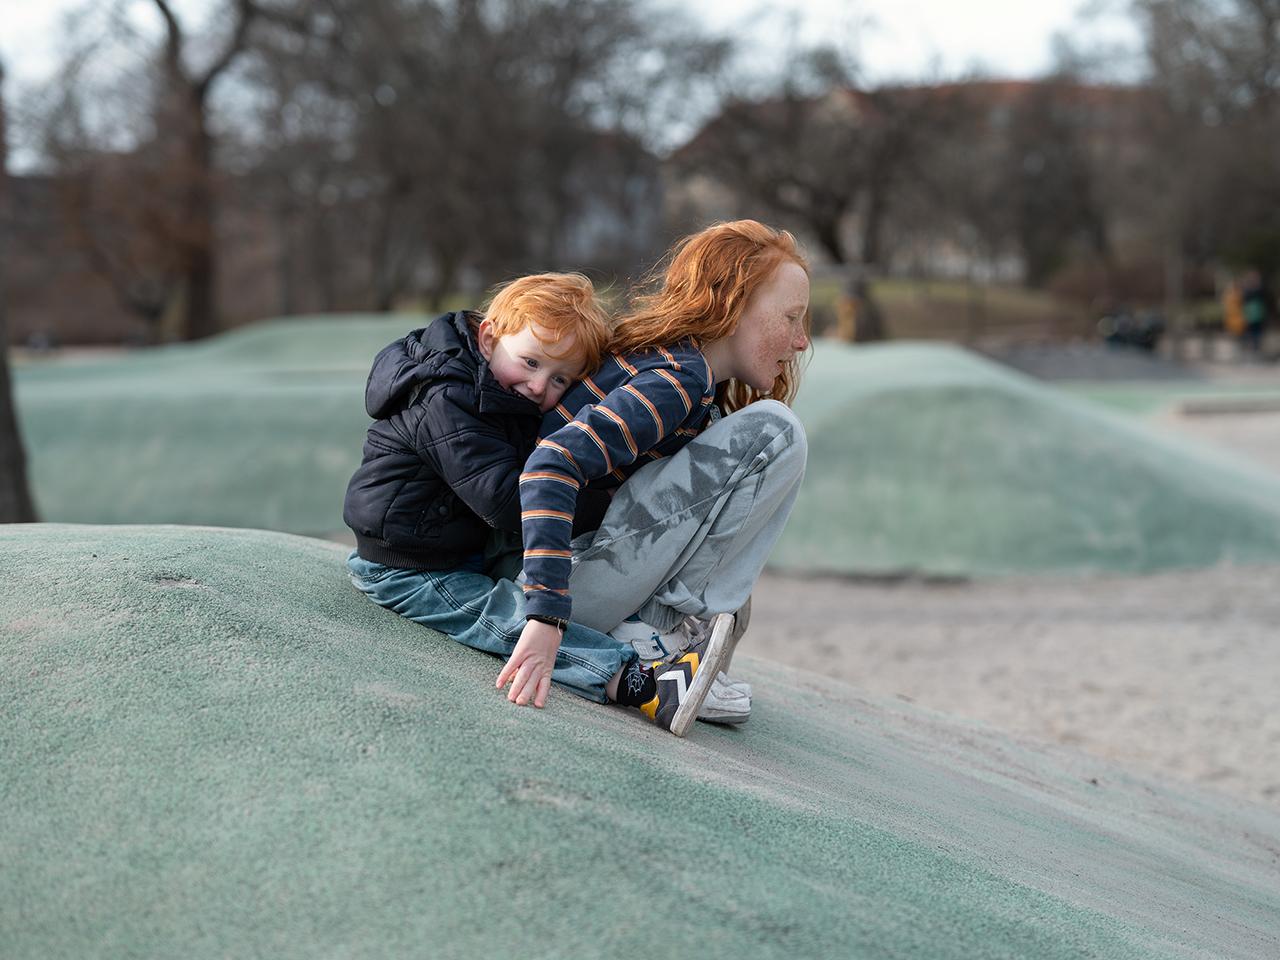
(485, 339)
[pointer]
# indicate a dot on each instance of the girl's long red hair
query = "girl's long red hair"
(708, 279)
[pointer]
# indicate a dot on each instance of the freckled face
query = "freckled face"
(770, 331)
(520, 362)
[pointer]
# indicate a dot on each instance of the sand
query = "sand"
(1176, 674)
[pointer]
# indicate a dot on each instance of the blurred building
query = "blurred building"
(985, 180)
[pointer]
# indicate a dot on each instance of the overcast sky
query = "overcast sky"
(892, 39)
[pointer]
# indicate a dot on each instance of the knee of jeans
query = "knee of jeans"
(778, 420)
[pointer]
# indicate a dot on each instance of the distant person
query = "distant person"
(1255, 306)
(857, 316)
(1233, 310)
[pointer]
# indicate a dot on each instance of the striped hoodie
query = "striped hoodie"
(636, 409)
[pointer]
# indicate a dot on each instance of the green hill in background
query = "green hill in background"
(214, 746)
(928, 458)
(261, 427)
(923, 458)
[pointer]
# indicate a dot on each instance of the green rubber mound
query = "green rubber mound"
(930, 459)
(214, 746)
(923, 458)
(260, 427)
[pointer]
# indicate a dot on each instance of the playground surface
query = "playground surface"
(218, 747)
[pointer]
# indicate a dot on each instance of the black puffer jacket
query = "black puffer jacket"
(442, 461)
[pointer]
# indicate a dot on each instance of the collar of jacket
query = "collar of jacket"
(491, 396)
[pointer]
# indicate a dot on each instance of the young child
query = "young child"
(457, 408)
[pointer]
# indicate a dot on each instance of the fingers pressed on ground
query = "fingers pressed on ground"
(505, 674)
(544, 688)
(524, 686)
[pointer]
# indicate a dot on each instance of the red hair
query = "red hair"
(709, 278)
(555, 305)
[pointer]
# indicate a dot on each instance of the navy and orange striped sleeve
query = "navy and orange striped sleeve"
(625, 424)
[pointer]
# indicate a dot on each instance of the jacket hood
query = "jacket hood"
(444, 350)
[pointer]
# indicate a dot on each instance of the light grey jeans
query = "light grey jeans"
(688, 535)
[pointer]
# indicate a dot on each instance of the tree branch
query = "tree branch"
(173, 39)
(246, 11)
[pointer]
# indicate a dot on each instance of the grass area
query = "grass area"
(957, 311)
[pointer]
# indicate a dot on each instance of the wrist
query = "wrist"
(558, 622)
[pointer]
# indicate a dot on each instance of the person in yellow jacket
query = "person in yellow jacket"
(1233, 310)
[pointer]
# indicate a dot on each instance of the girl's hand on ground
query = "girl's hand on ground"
(529, 669)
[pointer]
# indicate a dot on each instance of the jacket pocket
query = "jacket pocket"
(432, 520)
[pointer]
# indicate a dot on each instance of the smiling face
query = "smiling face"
(520, 362)
(770, 331)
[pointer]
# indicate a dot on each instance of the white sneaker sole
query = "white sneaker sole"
(719, 648)
(724, 717)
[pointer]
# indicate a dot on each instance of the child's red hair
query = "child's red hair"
(555, 305)
(709, 277)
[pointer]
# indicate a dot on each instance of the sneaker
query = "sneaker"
(740, 621)
(743, 687)
(650, 643)
(684, 680)
(725, 703)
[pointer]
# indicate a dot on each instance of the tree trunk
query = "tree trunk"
(871, 321)
(827, 230)
(870, 326)
(385, 277)
(201, 313)
(16, 505)
(873, 225)
(1173, 292)
(286, 302)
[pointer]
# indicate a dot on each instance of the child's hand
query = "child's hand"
(529, 669)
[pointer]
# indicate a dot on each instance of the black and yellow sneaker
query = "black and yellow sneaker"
(684, 679)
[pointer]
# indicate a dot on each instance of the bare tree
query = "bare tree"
(16, 505)
(466, 139)
(182, 117)
(142, 206)
(1048, 179)
(1214, 184)
(386, 149)
(824, 156)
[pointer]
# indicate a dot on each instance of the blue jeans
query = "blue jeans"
(488, 615)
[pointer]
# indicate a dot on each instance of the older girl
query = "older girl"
(700, 498)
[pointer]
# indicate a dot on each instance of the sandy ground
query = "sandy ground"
(1176, 674)
(1250, 436)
